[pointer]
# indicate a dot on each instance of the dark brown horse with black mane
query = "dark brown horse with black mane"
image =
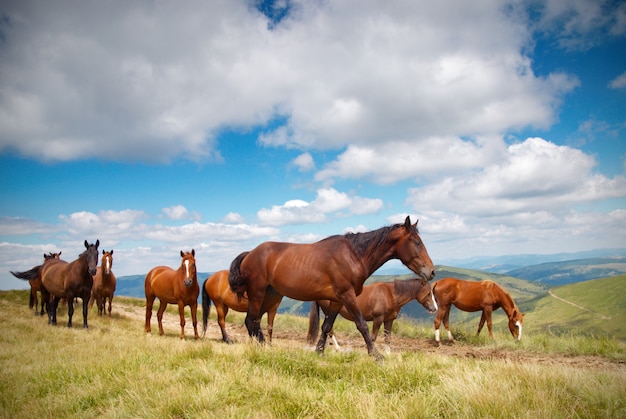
(174, 287)
(61, 279)
(104, 283)
(35, 284)
(332, 269)
(381, 303)
(485, 296)
(217, 289)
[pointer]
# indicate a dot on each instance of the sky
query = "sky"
(158, 126)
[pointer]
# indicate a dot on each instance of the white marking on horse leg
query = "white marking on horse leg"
(437, 337)
(332, 337)
(432, 296)
(450, 335)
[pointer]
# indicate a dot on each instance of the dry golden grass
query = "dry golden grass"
(115, 370)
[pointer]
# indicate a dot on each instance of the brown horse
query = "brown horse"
(61, 279)
(332, 269)
(104, 283)
(379, 302)
(216, 289)
(174, 287)
(485, 296)
(36, 286)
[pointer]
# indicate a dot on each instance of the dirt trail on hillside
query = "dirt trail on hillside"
(239, 334)
(603, 317)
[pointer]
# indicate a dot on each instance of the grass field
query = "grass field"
(115, 370)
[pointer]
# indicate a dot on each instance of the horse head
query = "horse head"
(52, 255)
(92, 256)
(516, 321)
(412, 252)
(426, 297)
(107, 261)
(189, 267)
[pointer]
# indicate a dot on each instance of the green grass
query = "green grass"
(115, 370)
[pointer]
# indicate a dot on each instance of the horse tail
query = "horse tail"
(314, 323)
(238, 282)
(27, 275)
(206, 307)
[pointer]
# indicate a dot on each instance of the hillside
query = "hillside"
(571, 271)
(595, 308)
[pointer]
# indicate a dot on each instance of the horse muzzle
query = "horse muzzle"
(188, 282)
(92, 272)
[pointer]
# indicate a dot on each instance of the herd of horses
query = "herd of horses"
(329, 273)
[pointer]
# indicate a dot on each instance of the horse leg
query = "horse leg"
(270, 305)
(86, 310)
(446, 324)
(160, 311)
(149, 303)
(438, 318)
(194, 319)
(349, 301)
(482, 323)
(110, 301)
(70, 310)
(271, 314)
(52, 311)
(253, 317)
(388, 325)
(376, 328)
(327, 329)
(181, 313)
(488, 315)
(222, 311)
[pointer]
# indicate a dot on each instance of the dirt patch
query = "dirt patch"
(238, 333)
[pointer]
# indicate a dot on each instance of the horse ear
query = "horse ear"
(407, 222)
(103, 251)
(111, 252)
(97, 243)
(193, 252)
(86, 244)
(182, 255)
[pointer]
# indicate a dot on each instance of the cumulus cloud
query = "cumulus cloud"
(359, 73)
(619, 82)
(304, 162)
(327, 201)
(537, 191)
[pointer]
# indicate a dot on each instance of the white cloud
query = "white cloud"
(327, 201)
(360, 73)
(304, 162)
(619, 82)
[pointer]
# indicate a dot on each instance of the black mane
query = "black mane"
(364, 243)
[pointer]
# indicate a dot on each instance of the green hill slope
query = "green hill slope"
(596, 307)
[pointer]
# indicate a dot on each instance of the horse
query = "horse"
(216, 288)
(61, 279)
(174, 287)
(485, 296)
(379, 302)
(35, 285)
(104, 283)
(334, 269)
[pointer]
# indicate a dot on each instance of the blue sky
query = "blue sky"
(219, 125)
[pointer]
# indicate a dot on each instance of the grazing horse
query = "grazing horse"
(332, 269)
(174, 287)
(485, 296)
(379, 302)
(104, 283)
(61, 279)
(216, 289)
(35, 285)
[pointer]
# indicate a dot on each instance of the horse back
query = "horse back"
(467, 295)
(219, 291)
(53, 276)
